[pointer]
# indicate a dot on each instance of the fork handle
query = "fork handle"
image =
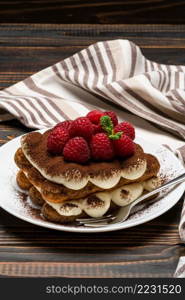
(174, 181)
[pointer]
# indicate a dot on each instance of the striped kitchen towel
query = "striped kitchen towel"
(107, 75)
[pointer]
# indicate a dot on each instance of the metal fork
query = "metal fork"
(123, 212)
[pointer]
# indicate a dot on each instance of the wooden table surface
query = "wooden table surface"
(148, 250)
(93, 11)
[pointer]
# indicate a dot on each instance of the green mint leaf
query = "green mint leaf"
(106, 124)
(115, 136)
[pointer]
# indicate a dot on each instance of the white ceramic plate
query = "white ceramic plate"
(17, 203)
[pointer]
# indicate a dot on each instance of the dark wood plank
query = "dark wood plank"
(34, 47)
(100, 12)
(148, 250)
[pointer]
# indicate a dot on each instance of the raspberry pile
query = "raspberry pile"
(97, 136)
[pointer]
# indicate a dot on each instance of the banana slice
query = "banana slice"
(127, 193)
(67, 208)
(96, 205)
(135, 171)
(151, 184)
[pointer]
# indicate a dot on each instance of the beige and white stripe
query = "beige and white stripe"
(107, 75)
(115, 70)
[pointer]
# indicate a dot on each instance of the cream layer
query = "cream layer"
(97, 205)
(132, 173)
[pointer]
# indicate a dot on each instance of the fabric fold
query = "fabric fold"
(115, 70)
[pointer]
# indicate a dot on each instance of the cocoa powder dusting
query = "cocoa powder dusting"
(94, 201)
(32, 211)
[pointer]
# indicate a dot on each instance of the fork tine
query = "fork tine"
(101, 224)
(96, 223)
(94, 219)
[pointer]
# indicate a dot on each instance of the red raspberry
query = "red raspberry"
(97, 128)
(81, 127)
(77, 150)
(57, 140)
(113, 117)
(124, 146)
(65, 124)
(101, 147)
(94, 116)
(126, 128)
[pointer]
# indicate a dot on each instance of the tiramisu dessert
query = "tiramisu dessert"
(84, 167)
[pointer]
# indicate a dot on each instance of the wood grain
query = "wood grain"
(148, 250)
(99, 12)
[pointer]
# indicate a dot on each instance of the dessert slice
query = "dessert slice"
(88, 166)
